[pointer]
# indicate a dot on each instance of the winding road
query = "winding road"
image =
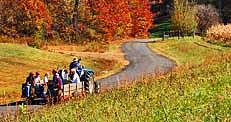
(142, 61)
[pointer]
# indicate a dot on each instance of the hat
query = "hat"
(75, 59)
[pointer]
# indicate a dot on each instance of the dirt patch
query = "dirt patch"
(104, 66)
(107, 64)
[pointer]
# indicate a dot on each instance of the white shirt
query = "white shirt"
(65, 76)
(76, 78)
(37, 80)
(45, 79)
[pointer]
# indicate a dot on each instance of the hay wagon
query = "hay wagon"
(53, 94)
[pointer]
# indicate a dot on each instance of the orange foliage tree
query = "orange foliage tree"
(38, 9)
(23, 17)
(90, 20)
(142, 17)
(121, 18)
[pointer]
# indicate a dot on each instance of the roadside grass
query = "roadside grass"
(16, 61)
(186, 50)
(89, 47)
(99, 47)
(188, 94)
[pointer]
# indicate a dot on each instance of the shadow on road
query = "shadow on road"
(145, 42)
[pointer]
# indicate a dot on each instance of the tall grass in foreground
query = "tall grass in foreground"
(187, 94)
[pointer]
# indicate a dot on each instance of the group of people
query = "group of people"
(60, 77)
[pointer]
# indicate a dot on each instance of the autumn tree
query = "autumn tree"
(207, 17)
(38, 9)
(142, 18)
(14, 21)
(223, 7)
(76, 20)
(184, 16)
(23, 17)
(121, 18)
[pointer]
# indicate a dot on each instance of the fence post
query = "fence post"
(194, 34)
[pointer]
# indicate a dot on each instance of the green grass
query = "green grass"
(187, 50)
(198, 94)
(160, 28)
(16, 61)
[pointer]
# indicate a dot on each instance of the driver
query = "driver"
(75, 64)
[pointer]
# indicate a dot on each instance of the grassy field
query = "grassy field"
(198, 94)
(16, 61)
(201, 93)
(187, 50)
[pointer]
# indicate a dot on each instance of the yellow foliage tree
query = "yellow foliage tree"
(184, 16)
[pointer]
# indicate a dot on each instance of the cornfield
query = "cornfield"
(220, 34)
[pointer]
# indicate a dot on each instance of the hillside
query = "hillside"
(198, 93)
(16, 61)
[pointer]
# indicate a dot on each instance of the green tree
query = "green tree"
(184, 16)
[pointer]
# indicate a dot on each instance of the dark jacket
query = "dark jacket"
(74, 65)
(30, 80)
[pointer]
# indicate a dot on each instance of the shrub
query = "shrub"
(220, 34)
(207, 17)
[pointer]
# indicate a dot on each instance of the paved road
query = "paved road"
(142, 61)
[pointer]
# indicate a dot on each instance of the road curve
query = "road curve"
(142, 61)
